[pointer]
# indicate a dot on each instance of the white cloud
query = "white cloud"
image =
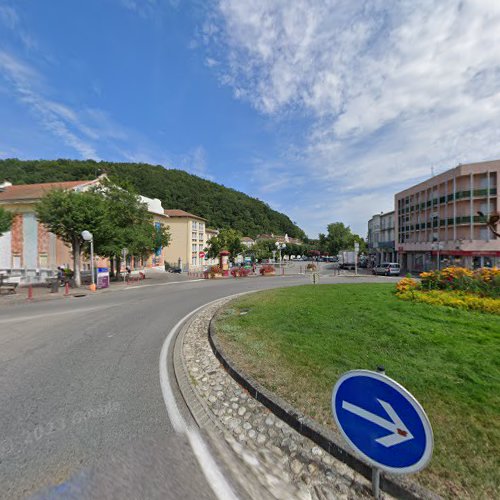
(54, 116)
(391, 87)
(11, 20)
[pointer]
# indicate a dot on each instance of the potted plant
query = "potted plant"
(267, 270)
(215, 272)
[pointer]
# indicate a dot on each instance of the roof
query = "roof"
(182, 213)
(36, 191)
(246, 238)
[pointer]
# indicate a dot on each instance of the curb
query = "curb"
(325, 438)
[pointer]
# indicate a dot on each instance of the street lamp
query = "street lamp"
(279, 247)
(88, 236)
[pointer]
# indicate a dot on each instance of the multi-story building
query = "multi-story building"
(381, 238)
(437, 221)
(188, 239)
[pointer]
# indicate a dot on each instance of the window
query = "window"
(202, 226)
(193, 247)
(193, 260)
(193, 235)
(195, 225)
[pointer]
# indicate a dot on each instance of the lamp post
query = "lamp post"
(88, 236)
(279, 247)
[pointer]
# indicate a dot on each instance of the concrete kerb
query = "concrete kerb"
(394, 485)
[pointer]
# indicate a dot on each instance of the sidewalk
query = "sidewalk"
(43, 293)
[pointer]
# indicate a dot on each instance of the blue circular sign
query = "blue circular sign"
(382, 421)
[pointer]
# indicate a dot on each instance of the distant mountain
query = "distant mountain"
(221, 206)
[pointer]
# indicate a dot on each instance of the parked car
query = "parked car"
(387, 269)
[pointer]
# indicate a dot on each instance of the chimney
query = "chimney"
(4, 185)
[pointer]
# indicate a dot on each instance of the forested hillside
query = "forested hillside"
(223, 207)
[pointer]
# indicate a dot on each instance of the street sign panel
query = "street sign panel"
(356, 246)
(202, 255)
(382, 421)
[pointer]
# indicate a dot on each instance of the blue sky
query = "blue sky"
(323, 109)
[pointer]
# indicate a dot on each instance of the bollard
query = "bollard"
(66, 288)
(30, 292)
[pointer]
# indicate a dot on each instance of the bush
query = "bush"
(483, 282)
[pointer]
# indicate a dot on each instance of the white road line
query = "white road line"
(161, 284)
(221, 488)
(52, 314)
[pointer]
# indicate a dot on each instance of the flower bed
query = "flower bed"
(484, 282)
(455, 287)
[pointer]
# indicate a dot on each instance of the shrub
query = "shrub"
(407, 285)
(482, 282)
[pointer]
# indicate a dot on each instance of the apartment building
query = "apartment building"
(381, 238)
(437, 221)
(188, 239)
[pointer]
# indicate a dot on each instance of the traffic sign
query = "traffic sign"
(356, 246)
(382, 421)
(202, 255)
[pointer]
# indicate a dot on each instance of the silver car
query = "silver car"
(387, 269)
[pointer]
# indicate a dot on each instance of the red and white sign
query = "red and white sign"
(202, 255)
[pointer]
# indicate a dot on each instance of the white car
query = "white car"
(387, 269)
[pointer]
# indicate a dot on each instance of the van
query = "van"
(387, 269)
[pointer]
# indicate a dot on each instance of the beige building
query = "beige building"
(437, 221)
(188, 239)
(380, 241)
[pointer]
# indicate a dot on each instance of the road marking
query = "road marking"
(400, 432)
(221, 488)
(52, 314)
(161, 284)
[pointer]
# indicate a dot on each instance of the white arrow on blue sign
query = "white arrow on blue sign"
(382, 421)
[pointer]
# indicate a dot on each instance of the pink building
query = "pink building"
(28, 248)
(437, 221)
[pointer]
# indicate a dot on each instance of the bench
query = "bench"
(9, 285)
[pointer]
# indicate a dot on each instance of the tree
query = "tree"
(5, 220)
(68, 213)
(227, 239)
(130, 225)
(340, 237)
(221, 206)
(263, 249)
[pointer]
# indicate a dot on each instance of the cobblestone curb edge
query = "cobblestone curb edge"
(326, 439)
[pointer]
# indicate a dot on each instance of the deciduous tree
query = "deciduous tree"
(5, 220)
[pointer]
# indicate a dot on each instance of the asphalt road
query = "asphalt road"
(81, 407)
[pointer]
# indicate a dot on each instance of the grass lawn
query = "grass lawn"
(298, 341)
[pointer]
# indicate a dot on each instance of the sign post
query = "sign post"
(356, 250)
(383, 423)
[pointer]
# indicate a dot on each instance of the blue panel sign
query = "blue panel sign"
(382, 421)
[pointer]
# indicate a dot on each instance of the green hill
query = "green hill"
(222, 206)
